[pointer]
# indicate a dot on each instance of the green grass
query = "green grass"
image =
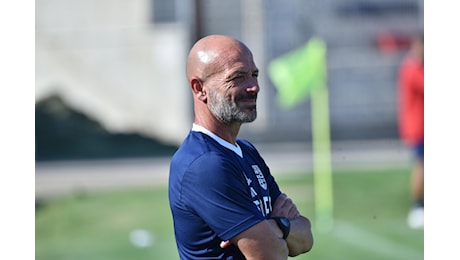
(370, 209)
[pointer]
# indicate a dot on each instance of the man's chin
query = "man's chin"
(250, 119)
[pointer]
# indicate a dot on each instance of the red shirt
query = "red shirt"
(411, 100)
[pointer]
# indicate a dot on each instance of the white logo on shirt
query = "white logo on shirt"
(260, 177)
(264, 205)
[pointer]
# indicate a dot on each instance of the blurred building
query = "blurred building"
(122, 63)
(108, 60)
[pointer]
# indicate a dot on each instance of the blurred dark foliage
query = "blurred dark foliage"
(62, 133)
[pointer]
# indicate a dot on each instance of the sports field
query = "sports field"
(369, 213)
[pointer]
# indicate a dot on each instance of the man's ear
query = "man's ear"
(198, 89)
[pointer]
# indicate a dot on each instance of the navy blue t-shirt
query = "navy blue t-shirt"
(215, 194)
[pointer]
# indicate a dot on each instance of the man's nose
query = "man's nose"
(253, 86)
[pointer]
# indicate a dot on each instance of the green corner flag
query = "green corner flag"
(296, 75)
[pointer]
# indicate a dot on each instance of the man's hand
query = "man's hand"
(284, 207)
(225, 243)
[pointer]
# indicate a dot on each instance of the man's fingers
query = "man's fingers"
(293, 212)
(280, 201)
(284, 206)
(225, 243)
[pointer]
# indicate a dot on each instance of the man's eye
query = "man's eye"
(240, 76)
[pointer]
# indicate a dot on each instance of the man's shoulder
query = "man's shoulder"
(197, 143)
(245, 143)
(248, 147)
(198, 146)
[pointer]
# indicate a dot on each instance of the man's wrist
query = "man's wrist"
(284, 225)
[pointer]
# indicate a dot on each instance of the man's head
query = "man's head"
(223, 78)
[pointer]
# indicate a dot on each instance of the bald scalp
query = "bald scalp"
(206, 56)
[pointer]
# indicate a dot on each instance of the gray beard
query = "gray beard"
(227, 111)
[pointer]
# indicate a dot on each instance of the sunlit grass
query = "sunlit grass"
(370, 206)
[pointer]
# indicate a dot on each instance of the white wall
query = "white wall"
(106, 59)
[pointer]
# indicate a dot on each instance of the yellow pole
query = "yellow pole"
(322, 159)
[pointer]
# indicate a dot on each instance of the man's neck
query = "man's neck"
(225, 131)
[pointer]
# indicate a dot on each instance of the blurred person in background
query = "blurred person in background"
(411, 126)
(224, 201)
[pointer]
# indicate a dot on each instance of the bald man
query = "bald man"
(224, 201)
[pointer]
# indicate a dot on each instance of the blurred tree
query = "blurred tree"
(64, 134)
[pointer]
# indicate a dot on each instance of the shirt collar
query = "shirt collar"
(235, 148)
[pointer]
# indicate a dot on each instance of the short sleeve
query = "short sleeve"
(216, 190)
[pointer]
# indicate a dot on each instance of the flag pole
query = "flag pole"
(296, 75)
(322, 168)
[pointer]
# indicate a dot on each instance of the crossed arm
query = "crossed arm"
(300, 239)
(264, 240)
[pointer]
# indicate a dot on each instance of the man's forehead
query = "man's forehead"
(241, 66)
(226, 58)
(207, 56)
(237, 58)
